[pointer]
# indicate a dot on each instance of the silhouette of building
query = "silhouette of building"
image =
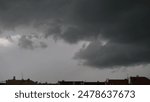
(139, 81)
(20, 82)
(70, 82)
(117, 82)
(80, 83)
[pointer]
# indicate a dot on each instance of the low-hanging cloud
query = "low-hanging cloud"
(114, 55)
(124, 24)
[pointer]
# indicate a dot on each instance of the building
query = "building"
(70, 82)
(139, 80)
(117, 82)
(20, 82)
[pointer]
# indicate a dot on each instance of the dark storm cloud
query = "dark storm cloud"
(118, 21)
(123, 23)
(23, 12)
(114, 55)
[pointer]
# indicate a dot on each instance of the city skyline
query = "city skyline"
(131, 80)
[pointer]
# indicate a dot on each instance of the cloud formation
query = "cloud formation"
(29, 42)
(114, 55)
(124, 24)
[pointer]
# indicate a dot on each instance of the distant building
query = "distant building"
(80, 83)
(70, 82)
(117, 82)
(20, 82)
(139, 80)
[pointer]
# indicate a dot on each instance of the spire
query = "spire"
(14, 78)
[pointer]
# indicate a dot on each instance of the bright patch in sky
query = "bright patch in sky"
(4, 42)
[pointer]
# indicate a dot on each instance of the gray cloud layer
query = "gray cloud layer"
(123, 23)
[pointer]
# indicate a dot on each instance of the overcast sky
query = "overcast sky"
(90, 40)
